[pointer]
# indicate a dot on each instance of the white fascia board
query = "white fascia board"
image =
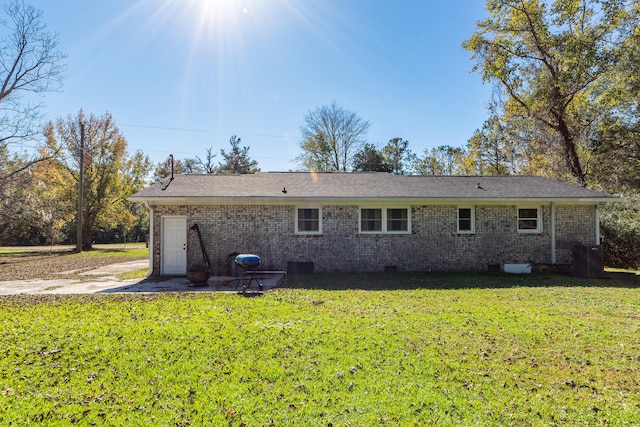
(159, 201)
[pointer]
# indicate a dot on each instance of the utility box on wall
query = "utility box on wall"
(588, 261)
(299, 267)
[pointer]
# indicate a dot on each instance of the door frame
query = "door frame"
(163, 244)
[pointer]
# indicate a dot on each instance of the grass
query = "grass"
(410, 281)
(561, 353)
(141, 273)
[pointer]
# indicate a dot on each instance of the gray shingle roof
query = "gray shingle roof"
(299, 185)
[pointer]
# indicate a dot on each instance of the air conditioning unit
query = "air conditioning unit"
(588, 261)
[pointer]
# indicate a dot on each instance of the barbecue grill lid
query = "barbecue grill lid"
(248, 260)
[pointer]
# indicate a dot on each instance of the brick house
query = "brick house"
(368, 222)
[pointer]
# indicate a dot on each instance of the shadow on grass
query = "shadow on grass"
(25, 256)
(409, 281)
(18, 256)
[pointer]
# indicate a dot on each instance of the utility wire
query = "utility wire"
(205, 131)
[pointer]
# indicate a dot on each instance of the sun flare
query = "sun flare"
(220, 10)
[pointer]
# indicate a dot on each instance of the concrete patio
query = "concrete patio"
(104, 280)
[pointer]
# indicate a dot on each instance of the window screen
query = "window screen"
(371, 220)
(309, 220)
(397, 220)
(465, 223)
(528, 219)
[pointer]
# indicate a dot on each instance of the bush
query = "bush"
(620, 229)
(22, 232)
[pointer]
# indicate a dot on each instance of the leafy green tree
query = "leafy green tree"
(237, 160)
(331, 137)
(192, 166)
(489, 150)
(620, 229)
(398, 155)
(316, 154)
(164, 169)
(441, 160)
(548, 57)
(370, 159)
(616, 158)
(20, 222)
(111, 174)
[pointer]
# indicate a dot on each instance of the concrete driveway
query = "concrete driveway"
(104, 280)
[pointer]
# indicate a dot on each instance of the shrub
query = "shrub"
(620, 229)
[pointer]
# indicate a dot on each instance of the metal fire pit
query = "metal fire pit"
(249, 263)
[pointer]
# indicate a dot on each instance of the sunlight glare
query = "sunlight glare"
(217, 18)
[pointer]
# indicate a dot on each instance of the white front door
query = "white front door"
(174, 246)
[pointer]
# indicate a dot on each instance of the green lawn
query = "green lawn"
(516, 354)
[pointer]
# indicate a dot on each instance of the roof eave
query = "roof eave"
(343, 200)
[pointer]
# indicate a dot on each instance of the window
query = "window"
(466, 220)
(308, 221)
(397, 220)
(384, 220)
(371, 220)
(529, 220)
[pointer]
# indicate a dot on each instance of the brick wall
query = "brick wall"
(575, 226)
(434, 244)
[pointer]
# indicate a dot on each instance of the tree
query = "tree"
(331, 136)
(18, 213)
(620, 227)
(616, 138)
(163, 169)
(30, 62)
(369, 159)
(489, 150)
(548, 57)
(111, 175)
(441, 160)
(316, 153)
(398, 155)
(177, 167)
(207, 165)
(237, 159)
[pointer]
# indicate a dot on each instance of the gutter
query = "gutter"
(253, 200)
(151, 239)
(553, 234)
(597, 226)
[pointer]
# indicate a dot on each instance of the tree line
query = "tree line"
(565, 104)
(235, 161)
(40, 192)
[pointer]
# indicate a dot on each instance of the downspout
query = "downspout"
(151, 251)
(597, 226)
(553, 234)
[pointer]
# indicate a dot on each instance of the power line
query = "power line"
(205, 131)
(192, 153)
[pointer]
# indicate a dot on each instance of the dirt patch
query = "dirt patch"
(50, 266)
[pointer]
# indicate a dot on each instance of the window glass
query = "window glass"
(371, 220)
(397, 220)
(309, 220)
(528, 219)
(464, 220)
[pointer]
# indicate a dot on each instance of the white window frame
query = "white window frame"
(472, 229)
(385, 210)
(538, 219)
(305, 232)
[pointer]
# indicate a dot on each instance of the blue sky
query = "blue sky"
(180, 76)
